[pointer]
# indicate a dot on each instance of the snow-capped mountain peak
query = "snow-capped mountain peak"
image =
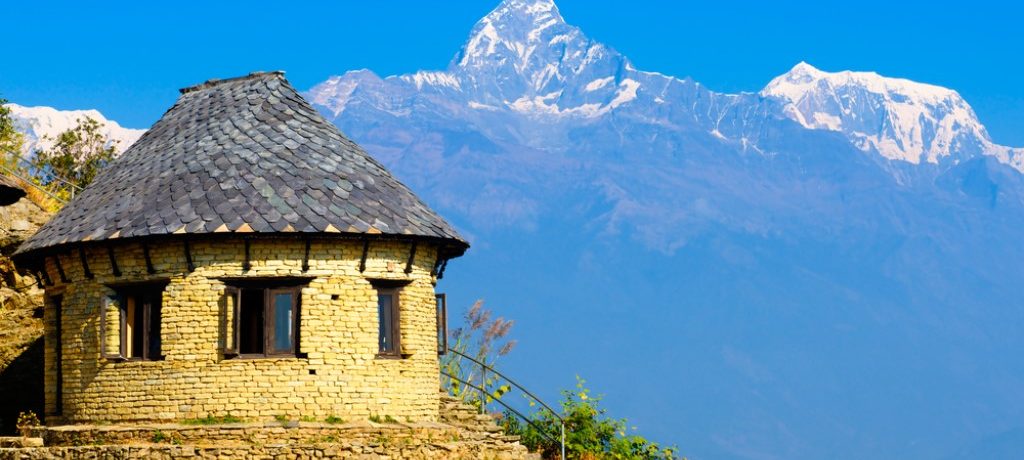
(521, 57)
(41, 125)
(524, 56)
(513, 29)
(900, 119)
(803, 72)
(795, 83)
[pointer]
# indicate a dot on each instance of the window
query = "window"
(442, 323)
(132, 322)
(388, 322)
(264, 318)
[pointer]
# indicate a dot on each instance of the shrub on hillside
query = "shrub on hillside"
(589, 432)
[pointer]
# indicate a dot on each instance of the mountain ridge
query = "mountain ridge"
(42, 124)
(524, 57)
(901, 119)
(734, 280)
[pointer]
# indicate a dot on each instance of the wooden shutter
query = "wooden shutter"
(396, 320)
(232, 311)
(111, 322)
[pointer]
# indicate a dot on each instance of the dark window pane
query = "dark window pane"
(250, 322)
(283, 321)
(384, 310)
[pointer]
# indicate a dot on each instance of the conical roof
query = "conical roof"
(246, 154)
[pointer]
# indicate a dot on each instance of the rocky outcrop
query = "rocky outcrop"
(21, 323)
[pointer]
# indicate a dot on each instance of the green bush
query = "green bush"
(211, 420)
(589, 432)
(385, 419)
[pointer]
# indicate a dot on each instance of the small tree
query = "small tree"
(11, 141)
(485, 340)
(75, 158)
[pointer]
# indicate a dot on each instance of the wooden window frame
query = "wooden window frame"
(270, 288)
(442, 323)
(270, 318)
(141, 292)
(396, 322)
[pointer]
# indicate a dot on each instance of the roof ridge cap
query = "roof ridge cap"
(219, 81)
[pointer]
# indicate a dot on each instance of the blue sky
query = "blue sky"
(127, 59)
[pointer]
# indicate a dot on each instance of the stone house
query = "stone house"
(242, 258)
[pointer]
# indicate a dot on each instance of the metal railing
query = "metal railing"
(22, 165)
(484, 396)
(28, 181)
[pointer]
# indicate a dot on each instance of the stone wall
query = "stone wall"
(399, 440)
(339, 375)
(374, 452)
(466, 434)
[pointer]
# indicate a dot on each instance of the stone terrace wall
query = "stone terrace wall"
(401, 440)
(341, 375)
(473, 437)
(466, 435)
(412, 452)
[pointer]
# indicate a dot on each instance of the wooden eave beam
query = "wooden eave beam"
(412, 256)
(437, 264)
(149, 261)
(246, 262)
(113, 261)
(60, 269)
(305, 257)
(362, 260)
(188, 257)
(440, 271)
(85, 263)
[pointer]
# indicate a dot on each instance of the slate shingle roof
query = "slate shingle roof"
(239, 155)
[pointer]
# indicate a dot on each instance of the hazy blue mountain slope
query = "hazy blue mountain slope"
(743, 275)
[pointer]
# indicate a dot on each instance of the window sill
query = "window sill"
(118, 359)
(393, 356)
(244, 356)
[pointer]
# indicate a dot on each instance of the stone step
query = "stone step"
(18, 441)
